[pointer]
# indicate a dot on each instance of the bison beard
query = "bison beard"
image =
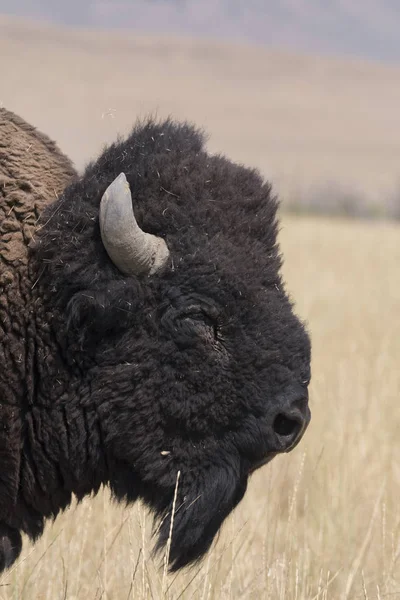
(199, 514)
(10, 546)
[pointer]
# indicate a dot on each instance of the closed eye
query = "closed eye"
(202, 321)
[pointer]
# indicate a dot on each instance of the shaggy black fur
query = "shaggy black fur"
(135, 379)
(10, 546)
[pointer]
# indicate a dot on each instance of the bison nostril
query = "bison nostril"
(285, 426)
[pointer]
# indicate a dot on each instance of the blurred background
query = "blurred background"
(309, 93)
(306, 91)
(366, 29)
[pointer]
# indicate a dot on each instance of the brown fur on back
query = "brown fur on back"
(33, 172)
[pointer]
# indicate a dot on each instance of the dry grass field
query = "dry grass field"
(322, 523)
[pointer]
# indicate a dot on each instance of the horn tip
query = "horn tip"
(120, 182)
(121, 177)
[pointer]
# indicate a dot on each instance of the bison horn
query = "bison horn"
(132, 251)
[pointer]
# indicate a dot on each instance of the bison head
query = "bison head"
(177, 360)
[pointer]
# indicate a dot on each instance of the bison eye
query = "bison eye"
(203, 323)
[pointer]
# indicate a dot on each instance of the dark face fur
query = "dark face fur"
(201, 369)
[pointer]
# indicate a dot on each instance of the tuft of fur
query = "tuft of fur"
(10, 546)
(134, 379)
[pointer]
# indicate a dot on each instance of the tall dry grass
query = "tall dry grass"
(321, 523)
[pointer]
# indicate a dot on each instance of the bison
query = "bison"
(147, 340)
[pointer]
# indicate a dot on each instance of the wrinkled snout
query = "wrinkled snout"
(290, 422)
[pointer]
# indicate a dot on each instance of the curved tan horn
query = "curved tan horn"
(132, 251)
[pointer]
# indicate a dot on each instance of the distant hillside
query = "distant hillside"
(329, 126)
(368, 28)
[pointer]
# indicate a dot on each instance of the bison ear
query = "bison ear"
(199, 513)
(106, 310)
